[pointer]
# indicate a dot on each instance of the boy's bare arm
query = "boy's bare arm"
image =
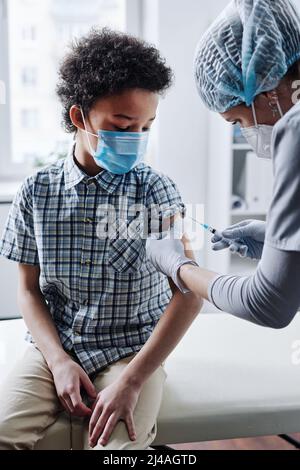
(68, 375)
(172, 326)
(118, 400)
(37, 316)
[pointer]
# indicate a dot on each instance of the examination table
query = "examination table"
(226, 379)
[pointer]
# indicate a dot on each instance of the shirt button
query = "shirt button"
(85, 302)
(87, 220)
(91, 181)
(87, 262)
(76, 333)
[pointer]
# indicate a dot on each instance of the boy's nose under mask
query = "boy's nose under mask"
(118, 152)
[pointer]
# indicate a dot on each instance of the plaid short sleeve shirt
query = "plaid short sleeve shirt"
(104, 296)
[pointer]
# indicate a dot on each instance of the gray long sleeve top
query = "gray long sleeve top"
(271, 297)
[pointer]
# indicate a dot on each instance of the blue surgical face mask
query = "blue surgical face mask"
(118, 152)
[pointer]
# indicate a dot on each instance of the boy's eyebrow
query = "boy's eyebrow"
(130, 118)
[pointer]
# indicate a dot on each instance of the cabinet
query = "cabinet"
(239, 187)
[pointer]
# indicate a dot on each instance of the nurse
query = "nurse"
(247, 68)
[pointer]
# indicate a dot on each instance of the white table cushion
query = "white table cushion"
(226, 379)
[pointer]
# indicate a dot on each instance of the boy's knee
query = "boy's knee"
(9, 436)
(120, 439)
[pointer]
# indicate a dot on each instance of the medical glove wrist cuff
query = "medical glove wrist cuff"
(176, 276)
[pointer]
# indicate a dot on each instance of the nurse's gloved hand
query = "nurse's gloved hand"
(245, 238)
(167, 256)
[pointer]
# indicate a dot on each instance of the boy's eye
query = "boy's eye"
(121, 129)
(125, 129)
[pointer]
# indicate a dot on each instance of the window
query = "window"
(29, 119)
(28, 34)
(29, 76)
(35, 34)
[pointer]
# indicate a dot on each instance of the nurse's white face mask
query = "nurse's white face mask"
(260, 136)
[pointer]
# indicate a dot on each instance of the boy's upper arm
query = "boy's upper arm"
(29, 277)
(18, 241)
(165, 203)
(165, 195)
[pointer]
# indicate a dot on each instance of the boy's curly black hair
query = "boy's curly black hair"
(106, 63)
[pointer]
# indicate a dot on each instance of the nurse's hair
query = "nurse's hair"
(105, 63)
(294, 71)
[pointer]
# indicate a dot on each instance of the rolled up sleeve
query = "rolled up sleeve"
(163, 204)
(164, 193)
(18, 242)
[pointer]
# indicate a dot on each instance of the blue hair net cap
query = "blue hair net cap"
(247, 51)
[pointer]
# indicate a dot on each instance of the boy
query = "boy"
(101, 319)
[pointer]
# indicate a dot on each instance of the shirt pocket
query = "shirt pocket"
(127, 256)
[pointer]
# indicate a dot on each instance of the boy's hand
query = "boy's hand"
(115, 403)
(68, 378)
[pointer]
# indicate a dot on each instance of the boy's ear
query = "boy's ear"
(76, 117)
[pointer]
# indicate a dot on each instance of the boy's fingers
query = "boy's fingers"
(79, 407)
(99, 427)
(130, 427)
(67, 404)
(88, 385)
(95, 417)
(109, 427)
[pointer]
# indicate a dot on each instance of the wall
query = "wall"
(182, 144)
(182, 128)
(8, 276)
(182, 147)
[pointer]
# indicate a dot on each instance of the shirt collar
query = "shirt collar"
(74, 175)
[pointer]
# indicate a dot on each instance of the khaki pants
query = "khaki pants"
(29, 405)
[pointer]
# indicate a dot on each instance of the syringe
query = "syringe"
(206, 227)
(218, 233)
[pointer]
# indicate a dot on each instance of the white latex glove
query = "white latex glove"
(245, 238)
(167, 256)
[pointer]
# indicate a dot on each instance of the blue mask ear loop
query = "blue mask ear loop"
(87, 133)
